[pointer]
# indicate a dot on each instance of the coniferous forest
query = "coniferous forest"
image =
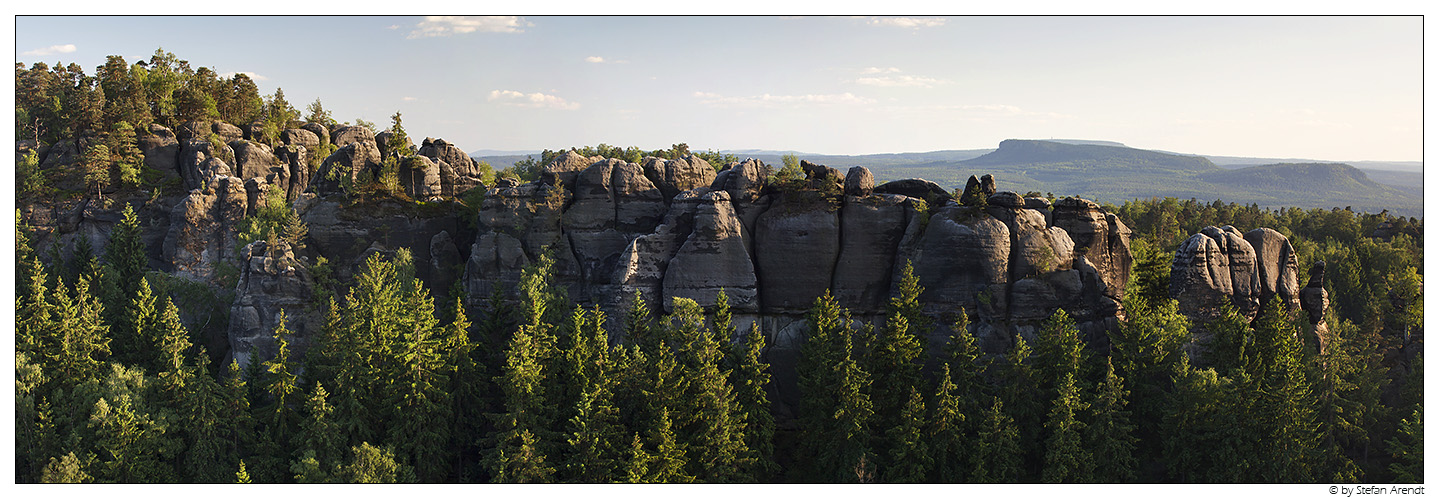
(402, 386)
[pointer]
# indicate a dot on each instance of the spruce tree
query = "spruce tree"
(1109, 435)
(1065, 458)
(996, 456)
(909, 459)
(947, 432)
(1407, 449)
(750, 379)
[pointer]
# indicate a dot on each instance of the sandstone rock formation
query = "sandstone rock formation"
(271, 281)
(1219, 265)
(202, 228)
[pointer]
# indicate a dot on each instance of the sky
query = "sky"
(1331, 88)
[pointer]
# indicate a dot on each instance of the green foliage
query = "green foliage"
(1066, 459)
(274, 220)
(29, 181)
(996, 455)
(1109, 434)
(835, 407)
(1407, 448)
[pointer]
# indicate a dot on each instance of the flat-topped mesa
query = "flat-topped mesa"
(615, 231)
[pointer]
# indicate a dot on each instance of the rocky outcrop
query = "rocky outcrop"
(200, 161)
(441, 151)
(674, 176)
(563, 169)
(202, 228)
(796, 248)
(161, 150)
(345, 236)
(712, 259)
(293, 175)
(300, 137)
(773, 252)
(351, 161)
(420, 178)
(1100, 237)
(1278, 270)
(1219, 265)
(255, 160)
(271, 282)
(346, 135)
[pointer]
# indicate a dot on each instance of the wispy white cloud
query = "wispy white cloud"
(51, 50)
(601, 60)
(392, 27)
(409, 99)
(536, 99)
(907, 22)
(899, 81)
(456, 25)
(768, 100)
(875, 71)
(252, 75)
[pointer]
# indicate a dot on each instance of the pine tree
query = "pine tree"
(281, 385)
(895, 364)
(319, 437)
(78, 339)
(1109, 435)
(132, 328)
(242, 476)
(593, 428)
(1059, 352)
(835, 409)
(1065, 458)
(909, 458)
(210, 435)
(421, 429)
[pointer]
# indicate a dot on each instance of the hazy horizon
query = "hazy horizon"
(1332, 88)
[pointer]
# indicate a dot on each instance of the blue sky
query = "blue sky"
(1334, 88)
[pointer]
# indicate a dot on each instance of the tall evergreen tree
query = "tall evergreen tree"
(1109, 435)
(750, 379)
(1407, 448)
(996, 455)
(1066, 460)
(947, 432)
(909, 459)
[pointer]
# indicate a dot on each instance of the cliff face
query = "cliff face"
(614, 232)
(660, 228)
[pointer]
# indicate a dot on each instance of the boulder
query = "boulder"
(562, 170)
(440, 150)
(321, 132)
(227, 132)
(254, 160)
(300, 137)
(382, 141)
(744, 182)
(446, 265)
(496, 259)
(673, 176)
(639, 204)
(917, 188)
(1314, 299)
(194, 130)
(822, 178)
(859, 182)
(352, 160)
(1005, 199)
(346, 135)
(161, 150)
